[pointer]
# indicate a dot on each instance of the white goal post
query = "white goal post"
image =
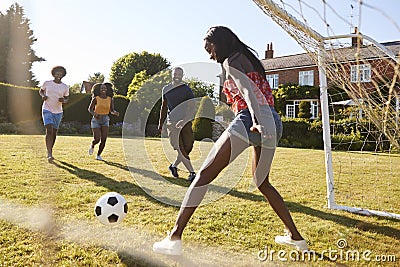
(332, 57)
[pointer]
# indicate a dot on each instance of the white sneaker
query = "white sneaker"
(98, 157)
(300, 245)
(168, 246)
(90, 150)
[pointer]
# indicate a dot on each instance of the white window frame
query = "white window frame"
(273, 80)
(314, 109)
(360, 73)
(306, 77)
(291, 109)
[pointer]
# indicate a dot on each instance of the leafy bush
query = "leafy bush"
(120, 104)
(301, 133)
(352, 134)
(72, 127)
(8, 128)
(76, 108)
(345, 135)
(304, 110)
(116, 129)
(225, 111)
(347, 142)
(25, 127)
(202, 124)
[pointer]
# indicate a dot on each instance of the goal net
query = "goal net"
(359, 94)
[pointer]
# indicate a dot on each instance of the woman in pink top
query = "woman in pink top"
(256, 124)
(54, 93)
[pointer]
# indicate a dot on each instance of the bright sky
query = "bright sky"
(87, 36)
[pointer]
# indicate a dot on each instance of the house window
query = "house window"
(291, 109)
(314, 109)
(306, 77)
(273, 80)
(360, 73)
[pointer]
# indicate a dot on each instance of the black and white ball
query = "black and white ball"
(111, 208)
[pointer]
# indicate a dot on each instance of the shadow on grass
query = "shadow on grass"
(156, 176)
(150, 174)
(339, 219)
(117, 165)
(138, 261)
(346, 221)
(123, 187)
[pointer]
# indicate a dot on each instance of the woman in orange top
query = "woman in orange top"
(101, 105)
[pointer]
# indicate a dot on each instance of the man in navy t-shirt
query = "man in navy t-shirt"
(178, 107)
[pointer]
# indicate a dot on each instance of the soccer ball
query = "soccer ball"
(111, 209)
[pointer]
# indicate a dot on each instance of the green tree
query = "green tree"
(76, 88)
(16, 53)
(148, 97)
(200, 88)
(304, 110)
(124, 69)
(137, 82)
(96, 78)
(202, 124)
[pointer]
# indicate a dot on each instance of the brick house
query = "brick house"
(301, 69)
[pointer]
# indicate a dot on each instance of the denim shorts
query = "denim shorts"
(51, 118)
(270, 120)
(103, 120)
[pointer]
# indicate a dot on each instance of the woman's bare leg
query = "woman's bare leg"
(264, 156)
(51, 134)
(103, 139)
(96, 136)
(221, 155)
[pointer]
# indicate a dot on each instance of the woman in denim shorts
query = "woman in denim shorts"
(54, 93)
(101, 105)
(256, 124)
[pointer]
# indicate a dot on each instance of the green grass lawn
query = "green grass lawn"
(47, 218)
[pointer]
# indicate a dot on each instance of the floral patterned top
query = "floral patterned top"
(261, 89)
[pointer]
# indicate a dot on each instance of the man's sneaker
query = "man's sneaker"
(174, 171)
(50, 159)
(90, 150)
(168, 246)
(300, 245)
(191, 177)
(98, 157)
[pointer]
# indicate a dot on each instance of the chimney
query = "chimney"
(356, 41)
(269, 53)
